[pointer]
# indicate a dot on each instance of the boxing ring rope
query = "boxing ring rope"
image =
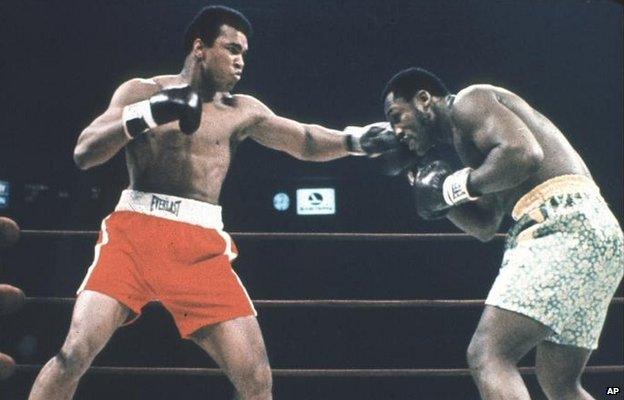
(377, 237)
(321, 373)
(333, 303)
(302, 303)
(314, 373)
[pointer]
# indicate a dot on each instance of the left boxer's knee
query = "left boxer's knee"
(262, 378)
(256, 380)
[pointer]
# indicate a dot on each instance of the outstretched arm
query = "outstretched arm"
(310, 142)
(303, 141)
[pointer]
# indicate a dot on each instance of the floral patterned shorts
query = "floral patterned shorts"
(562, 265)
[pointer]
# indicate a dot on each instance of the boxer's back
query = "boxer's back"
(560, 158)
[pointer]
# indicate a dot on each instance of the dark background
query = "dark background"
(318, 62)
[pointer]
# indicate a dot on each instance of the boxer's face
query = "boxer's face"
(223, 62)
(411, 122)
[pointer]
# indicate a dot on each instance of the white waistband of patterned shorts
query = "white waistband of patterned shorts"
(171, 207)
(560, 185)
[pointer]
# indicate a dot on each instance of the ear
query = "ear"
(197, 49)
(423, 98)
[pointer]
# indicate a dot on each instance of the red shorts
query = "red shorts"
(141, 258)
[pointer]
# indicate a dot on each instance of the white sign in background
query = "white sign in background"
(321, 201)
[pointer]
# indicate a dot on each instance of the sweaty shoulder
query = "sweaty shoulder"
(473, 105)
(253, 113)
(253, 108)
(134, 90)
(250, 104)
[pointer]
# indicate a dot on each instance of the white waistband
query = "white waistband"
(560, 185)
(171, 207)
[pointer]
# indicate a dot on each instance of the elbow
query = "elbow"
(80, 158)
(484, 235)
(487, 230)
(532, 159)
(527, 160)
(80, 161)
(305, 154)
(302, 154)
(80, 152)
(307, 151)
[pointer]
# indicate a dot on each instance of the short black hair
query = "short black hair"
(407, 82)
(207, 24)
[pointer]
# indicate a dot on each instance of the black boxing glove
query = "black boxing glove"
(180, 103)
(402, 159)
(371, 140)
(428, 182)
(396, 161)
(437, 188)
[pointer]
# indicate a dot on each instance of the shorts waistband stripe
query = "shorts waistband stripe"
(560, 185)
(171, 207)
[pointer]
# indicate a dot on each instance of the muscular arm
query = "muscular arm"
(480, 218)
(303, 141)
(511, 151)
(105, 136)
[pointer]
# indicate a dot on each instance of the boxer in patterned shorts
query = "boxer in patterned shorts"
(564, 255)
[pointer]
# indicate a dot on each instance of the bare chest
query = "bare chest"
(218, 131)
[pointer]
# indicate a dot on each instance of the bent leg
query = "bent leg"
(237, 346)
(95, 318)
(559, 370)
(501, 339)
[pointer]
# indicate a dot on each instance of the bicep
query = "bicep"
(278, 133)
(127, 93)
(304, 141)
(111, 114)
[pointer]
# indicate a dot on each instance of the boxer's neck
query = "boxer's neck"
(192, 74)
(443, 110)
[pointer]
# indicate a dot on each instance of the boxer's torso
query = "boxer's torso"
(164, 160)
(559, 156)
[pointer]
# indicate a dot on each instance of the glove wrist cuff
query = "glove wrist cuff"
(137, 118)
(455, 188)
(354, 146)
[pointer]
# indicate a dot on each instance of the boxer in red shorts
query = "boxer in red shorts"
(165, 240)
(180, 255)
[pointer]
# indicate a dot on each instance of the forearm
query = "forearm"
(476, 220)
(96, 145)
(322, 144)
(505, 167)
